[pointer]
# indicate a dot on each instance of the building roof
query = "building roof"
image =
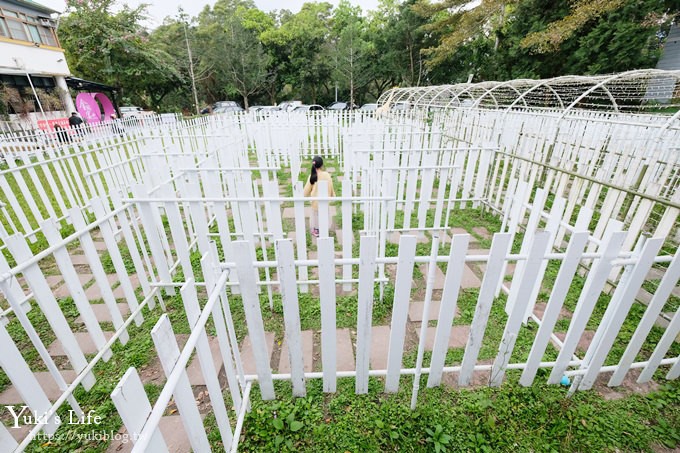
(34, 6)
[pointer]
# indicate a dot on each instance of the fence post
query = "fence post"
(367, 268)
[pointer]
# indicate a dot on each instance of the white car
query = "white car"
(134, 112)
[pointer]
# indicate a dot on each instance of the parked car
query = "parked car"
(263, 108)
(341, 106)
(308, 108)
(402, 106)
(228, 109)
(132, 111)
(369, 107)
(287, 106)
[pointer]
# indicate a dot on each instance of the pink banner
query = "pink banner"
(48, 125)
(89, 109)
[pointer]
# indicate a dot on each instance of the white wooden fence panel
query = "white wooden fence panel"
(100, 277)
(494, 271)
(168, 353)
(251, 306)
(367, 268)
(447, 310)
(402, 297)
(588, 298)
(616, 313)
(668, 283)
(291, 314)
(531, 278)
(134, 408)
(328, 312)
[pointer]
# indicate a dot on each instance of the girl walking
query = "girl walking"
(312, 189)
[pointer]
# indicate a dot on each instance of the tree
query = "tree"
(114, 49)
(231, 47)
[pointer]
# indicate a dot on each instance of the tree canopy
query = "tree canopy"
(235, 51)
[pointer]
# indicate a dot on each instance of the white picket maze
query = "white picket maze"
(196, 209)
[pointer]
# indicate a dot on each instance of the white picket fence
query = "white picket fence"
(214, 182)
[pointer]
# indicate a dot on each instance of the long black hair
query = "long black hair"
(317, 163)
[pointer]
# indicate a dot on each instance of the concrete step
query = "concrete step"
(194, 369)
(307, 353)
(173, 432)
(103, 314)
(415, 311)
(344, 351)
(247, 356)
(457, 339)
(63, 291)
(380, 346)
(84, 342)
(46, 381)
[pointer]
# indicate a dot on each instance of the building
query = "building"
(32, 63)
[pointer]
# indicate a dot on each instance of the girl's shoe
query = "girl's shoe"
(315, 232)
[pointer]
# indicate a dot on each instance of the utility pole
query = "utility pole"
(191, 69)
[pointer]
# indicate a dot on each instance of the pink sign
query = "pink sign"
(48, 125)
(87, 106)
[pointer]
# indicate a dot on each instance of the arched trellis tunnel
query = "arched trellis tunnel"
(639, 91)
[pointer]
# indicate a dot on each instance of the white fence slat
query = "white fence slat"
(49, 306)
(168, 353)
(661, 348)
(347, 233)
(133, 248)
(616, 314)
(291, 313)
(531, 277)
(116, 259)
(325, 248)
(90, 252)
(7, 442)
(367, 267)
(20, 375)
(500, 245)
(251, 306)
(72, 282)
(402, 296)
(447, 310)
(211, 272)
(674, 372)
(134, 409)
(560, 290)
(322, 212)
(152, 236)
(597, 278)
(300, 235)
(668, 283)
(205, 358)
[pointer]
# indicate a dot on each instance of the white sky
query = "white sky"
(159, 9)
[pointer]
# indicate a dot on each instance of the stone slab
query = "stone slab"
(482, 232)
(79, 260)
(539, 311)
(103, 314)
(345, 351)
(63, 291)
(247, 356)
(439, 277)
(84, 341)
(380, 346)
(173, 432)
(415, 311)
(95, 293)
(46, 381)
(338, 238)
(470, 280)
(54, 281)
(307, 353)
(119, 293)
(458, 339)
(194, 371)
(396, 235)
(583, 342)
(99, 245)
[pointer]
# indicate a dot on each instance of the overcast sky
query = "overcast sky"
(161, 8)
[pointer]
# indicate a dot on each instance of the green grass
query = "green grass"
(510, 418)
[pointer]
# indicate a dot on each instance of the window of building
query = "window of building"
(22, 27)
